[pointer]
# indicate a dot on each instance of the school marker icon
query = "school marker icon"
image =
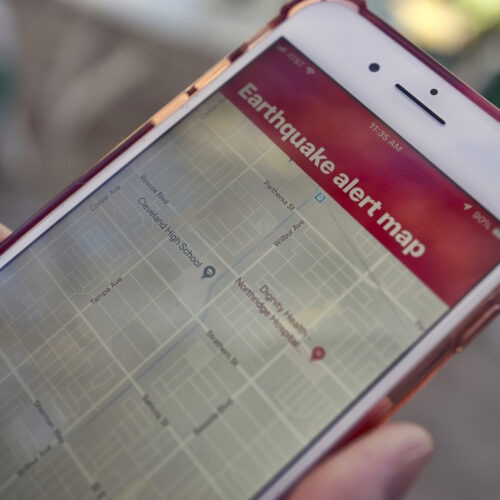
(208, 272)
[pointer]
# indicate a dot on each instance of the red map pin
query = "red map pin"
(318, 353)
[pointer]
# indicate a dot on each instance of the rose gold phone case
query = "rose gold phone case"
(456, 341)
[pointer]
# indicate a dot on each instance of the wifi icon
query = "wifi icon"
(310, 71)
(282, 48)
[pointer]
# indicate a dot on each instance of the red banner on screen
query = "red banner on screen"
(402, 200)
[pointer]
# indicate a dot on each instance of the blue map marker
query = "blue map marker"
(208, 272)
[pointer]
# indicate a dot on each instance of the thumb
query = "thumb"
(4, 232)
(379, 466)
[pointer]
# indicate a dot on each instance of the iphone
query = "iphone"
(298, 240)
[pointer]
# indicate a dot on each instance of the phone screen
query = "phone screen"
(190, 328)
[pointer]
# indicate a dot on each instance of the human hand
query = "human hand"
(380, 465)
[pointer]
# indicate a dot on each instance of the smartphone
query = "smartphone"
(294, 244)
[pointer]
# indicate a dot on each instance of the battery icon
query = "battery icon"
(496, 232)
